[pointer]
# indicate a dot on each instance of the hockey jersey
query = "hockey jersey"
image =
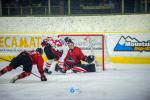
(74, 56)
(37, 59)
(57, 45)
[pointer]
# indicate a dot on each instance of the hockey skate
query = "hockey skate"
(13, 80)
(59, 69)
(47, 71)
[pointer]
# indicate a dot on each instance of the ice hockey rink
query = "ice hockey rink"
(115, 32)
(122, 82)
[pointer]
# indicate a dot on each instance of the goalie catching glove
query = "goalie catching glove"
(89, 59)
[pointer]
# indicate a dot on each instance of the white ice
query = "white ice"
(125, 82)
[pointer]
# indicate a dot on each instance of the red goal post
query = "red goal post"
(91, 44)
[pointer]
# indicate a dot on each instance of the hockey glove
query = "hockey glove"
(43, 78)
(89, 59)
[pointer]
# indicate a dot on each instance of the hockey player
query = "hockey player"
(55, 50)
(75, 56)
(27, 59)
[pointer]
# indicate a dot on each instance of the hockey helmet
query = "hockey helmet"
(40, 50)
(68, 40)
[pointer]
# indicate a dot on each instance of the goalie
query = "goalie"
(75, 56)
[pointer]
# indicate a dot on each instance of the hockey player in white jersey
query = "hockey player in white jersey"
(55, 50)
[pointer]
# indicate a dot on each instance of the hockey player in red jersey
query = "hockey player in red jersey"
(75, 56)
(27, 59)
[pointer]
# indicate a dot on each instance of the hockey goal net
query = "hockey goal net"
(91, 44)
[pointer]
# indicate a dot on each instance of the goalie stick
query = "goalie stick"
(21, 67)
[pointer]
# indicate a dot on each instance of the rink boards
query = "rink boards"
(135, 48)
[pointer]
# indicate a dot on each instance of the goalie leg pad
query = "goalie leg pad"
(91, 67)
(78, 69)
(88, 67)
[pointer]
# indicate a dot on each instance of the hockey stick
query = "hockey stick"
(5, 59)
(21, 67)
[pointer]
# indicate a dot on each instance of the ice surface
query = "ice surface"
(125, 82)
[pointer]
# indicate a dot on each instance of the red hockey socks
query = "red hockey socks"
(20, 76)
(5, 70)
(23, 75)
